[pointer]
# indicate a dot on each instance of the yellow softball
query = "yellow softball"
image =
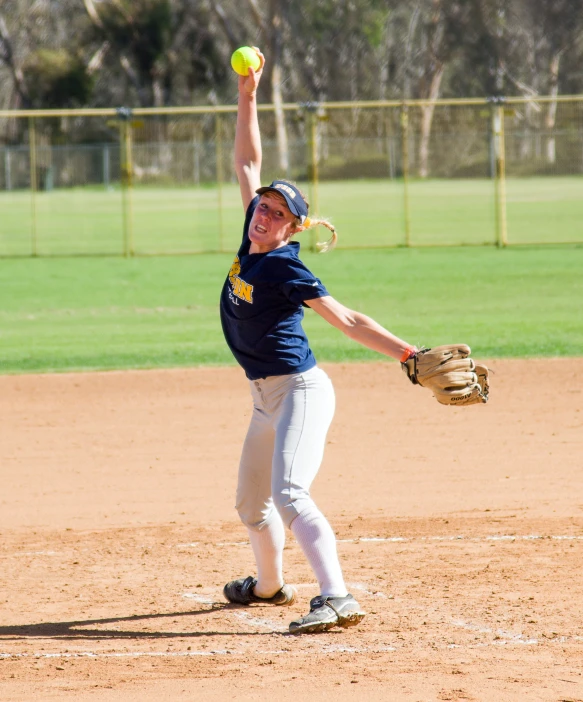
(244, 58)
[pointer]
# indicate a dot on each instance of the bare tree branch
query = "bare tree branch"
(259, 18)
(276, 78)
(408, 47)
(225, 24)
(93, 14)
(96, 60)
(526, 90)
(133, 78)
(7, 56)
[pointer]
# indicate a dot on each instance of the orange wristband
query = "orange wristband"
(409, 351)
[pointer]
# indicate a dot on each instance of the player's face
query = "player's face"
(272, 224)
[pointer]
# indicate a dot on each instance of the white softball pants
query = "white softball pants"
(284, 446)
(281, 457)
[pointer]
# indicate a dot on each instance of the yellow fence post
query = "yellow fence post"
(405, 159)
(33, 183)
(314, 176)
(219, 157)
(499, 173)
(125, 138)
(130, 175)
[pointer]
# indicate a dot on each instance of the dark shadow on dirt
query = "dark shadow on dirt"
(76, 630)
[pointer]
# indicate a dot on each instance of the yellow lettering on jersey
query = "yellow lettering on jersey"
(246, 292)
(235, 270)
(241, 289)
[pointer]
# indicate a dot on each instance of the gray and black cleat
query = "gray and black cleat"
(327, 612)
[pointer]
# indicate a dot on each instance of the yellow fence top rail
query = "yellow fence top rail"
(226, 109)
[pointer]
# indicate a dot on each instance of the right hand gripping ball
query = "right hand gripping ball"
(243, 58)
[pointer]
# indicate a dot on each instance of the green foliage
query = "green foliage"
(373, 23)
(207, 68)
(141, 26)
(56, 78)
(176, 52)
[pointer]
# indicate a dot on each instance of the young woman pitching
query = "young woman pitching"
(293, 399)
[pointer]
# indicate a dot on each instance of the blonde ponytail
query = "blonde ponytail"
(309, 222)
(322, 246)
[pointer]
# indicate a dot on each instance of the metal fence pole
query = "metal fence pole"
(219, 158)
(195, 161)
(314, 175)
(125, 136)
(7, 169)
(105, 164)
(499, 173)
(130, 174)
(405, 158)
(388, 132)
(122, 175)
(33, 184)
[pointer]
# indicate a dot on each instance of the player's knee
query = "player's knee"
(289, 506)
(254, 517)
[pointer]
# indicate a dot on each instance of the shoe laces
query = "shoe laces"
(318, 601)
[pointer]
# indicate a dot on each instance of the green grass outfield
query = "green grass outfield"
(366, 213)
(67, 314)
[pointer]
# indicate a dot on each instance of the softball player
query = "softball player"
(293, 399)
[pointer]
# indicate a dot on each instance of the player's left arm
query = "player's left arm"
(360, 328)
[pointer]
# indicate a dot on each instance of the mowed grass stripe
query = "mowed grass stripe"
(107, 313)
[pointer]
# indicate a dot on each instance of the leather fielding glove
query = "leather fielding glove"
(450, 373)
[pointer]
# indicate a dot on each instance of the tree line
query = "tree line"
(161, 53)
(96, 53)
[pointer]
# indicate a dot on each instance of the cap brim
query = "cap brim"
(290, 203)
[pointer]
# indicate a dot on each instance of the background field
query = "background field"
(366, 213)
(103, 313)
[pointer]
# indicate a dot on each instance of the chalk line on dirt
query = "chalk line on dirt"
(316, 647)
(364, 539)
(262, 623)
(409, 539)
(325, 649)
(502, 637)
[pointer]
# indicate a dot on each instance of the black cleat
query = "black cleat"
(241, 592)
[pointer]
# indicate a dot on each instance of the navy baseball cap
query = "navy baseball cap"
(290, 194)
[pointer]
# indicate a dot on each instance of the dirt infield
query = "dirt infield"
(460, 531)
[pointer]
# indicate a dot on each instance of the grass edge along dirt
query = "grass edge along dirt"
(71, 314)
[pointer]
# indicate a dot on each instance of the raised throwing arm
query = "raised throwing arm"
(247, 135)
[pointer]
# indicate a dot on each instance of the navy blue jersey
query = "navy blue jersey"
(262, 308)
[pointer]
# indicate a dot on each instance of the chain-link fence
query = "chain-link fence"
(98, 182)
